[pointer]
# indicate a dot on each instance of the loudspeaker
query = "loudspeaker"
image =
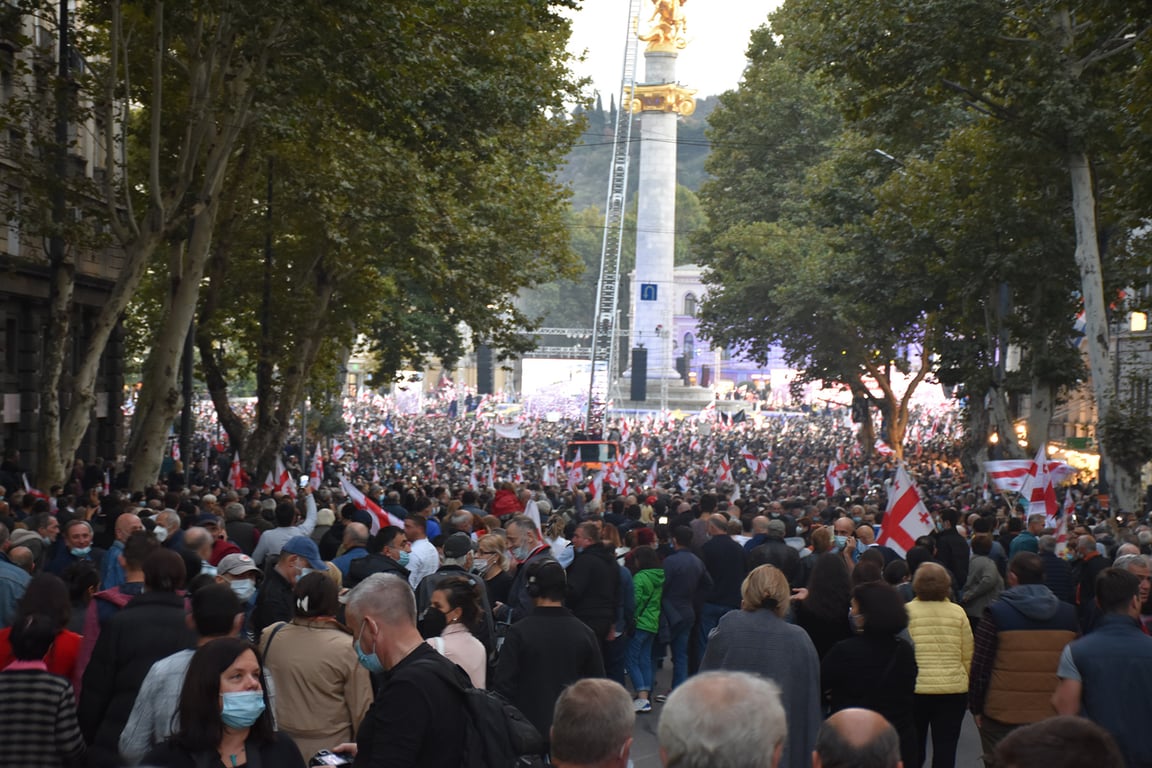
(682, 368)
(485, 372)
(639, 374)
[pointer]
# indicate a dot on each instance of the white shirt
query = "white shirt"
(423, 560)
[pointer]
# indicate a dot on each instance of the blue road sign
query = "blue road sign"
(647, 291)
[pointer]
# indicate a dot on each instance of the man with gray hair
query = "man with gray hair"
(418, 717)
(856, 738)
(13, 580)
(1028, 540)
(725, 720)
(1138, 566)
(592, 725)
(240, 532)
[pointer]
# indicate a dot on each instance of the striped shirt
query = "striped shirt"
(38, 726)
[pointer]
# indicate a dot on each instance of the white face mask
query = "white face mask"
(161, 533)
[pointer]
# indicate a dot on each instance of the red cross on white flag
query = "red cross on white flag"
(907, 518)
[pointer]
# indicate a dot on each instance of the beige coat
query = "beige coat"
(322, 692)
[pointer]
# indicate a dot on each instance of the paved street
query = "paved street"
(646, 749)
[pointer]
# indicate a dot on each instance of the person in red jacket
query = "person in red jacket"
(47, 594)
(505, 504)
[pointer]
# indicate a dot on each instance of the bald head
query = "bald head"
(22, 558)
(760, 524)
(866, 535)
(355, 535)
(126, 525)
(718, 525)
(856, 738)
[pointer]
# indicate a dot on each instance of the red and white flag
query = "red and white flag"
(337, 450)
(575, 474)
(750, 459)
(380, 518)
(317, 469)
(284, 482)
(907, 518)
(834, 478)
(596, 488)
(1061, 524)
(725, 473)
(1012, 474)
(235, 473)
(653, 475)
(176, 450)
(455, 445)
(883, 448)
(1039, 487)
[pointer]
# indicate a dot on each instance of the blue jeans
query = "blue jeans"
(710, 616)
(614, 662)
(640, 659)
(679, 644)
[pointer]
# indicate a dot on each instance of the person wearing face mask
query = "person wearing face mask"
(77, 536)
(387, 553)
(418, 717)
(457, 563)
(168, 531)
(225, 716)
(491, 563)
(456, 603)
(298, 557)
(216, 613)
(240, 574)
(526, 547)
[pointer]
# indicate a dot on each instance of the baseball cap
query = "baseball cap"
(208, 519)
(457, 545)
(305, 548)
(237, 565)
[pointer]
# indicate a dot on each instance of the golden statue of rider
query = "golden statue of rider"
(669, 26)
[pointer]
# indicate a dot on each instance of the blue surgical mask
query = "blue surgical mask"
(80, 551)
(244, 589)
(840, 541)
(305, 571)
(242, 709)
(404, 558)
(370, 661)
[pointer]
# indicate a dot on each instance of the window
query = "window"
(689, 347)
(690, 304)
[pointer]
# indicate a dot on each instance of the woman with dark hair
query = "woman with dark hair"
(37, 708)
(46, 595)
(224, 717)
(457, 599)
(83, 581)
(875, 669)
(648, 585)
(322, 693)
(822, 609)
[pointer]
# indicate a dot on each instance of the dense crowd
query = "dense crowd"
(195, 624)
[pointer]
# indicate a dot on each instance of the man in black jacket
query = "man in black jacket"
(387, 553)
(774, 551)
(418, 717)
(276, 601)
(952, 551)
(593, 583)
(724, 560)
(546, 651)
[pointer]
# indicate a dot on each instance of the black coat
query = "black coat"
(953, 553)
(274, 603)
(594, 586)
(776, 552)
(542, 654)
(724, 559)
(146, 630)
(877, 673)
(363, 567)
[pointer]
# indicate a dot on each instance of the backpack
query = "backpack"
(499, 735)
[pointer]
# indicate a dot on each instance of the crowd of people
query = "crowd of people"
(196, 624)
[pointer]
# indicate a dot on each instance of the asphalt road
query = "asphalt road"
(646, 747)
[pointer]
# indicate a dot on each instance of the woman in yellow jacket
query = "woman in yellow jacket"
(943, 639)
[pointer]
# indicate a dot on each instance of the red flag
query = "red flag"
(380, 518)
(907, 518)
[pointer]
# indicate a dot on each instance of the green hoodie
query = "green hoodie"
(649, 585)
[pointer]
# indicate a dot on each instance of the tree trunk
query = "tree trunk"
(974, 449)
(52, 461)
(1040, 415)
(160, 397)
(1005, 430)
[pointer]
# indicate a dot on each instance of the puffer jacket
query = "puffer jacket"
(649, 586)
(942, 635)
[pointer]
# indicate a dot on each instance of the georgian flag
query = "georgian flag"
(337, 450)
(280, 481)
(575, 474)
(596, 488)
(907, 518)
(1040, 488)
(834, 478)
(883, 448)
(380, 518)
(694, 446)
(1012, 474)
(750, 459)
(455, 445)
(653, 474)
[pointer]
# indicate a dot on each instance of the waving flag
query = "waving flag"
(317, 474)
(883, 448)
(380, 518)
(907, 518)
(725, 473)
(653, 474)
(1040, 487)
(280, 481)
(575, 474)
(750, 459)
(1012, 474)
(337, 450)
(456, 445)
(235, 473)
(834, 478)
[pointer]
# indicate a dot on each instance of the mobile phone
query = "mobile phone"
(304, 480)
(325, 757)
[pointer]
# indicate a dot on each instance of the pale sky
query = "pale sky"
(718, 32)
